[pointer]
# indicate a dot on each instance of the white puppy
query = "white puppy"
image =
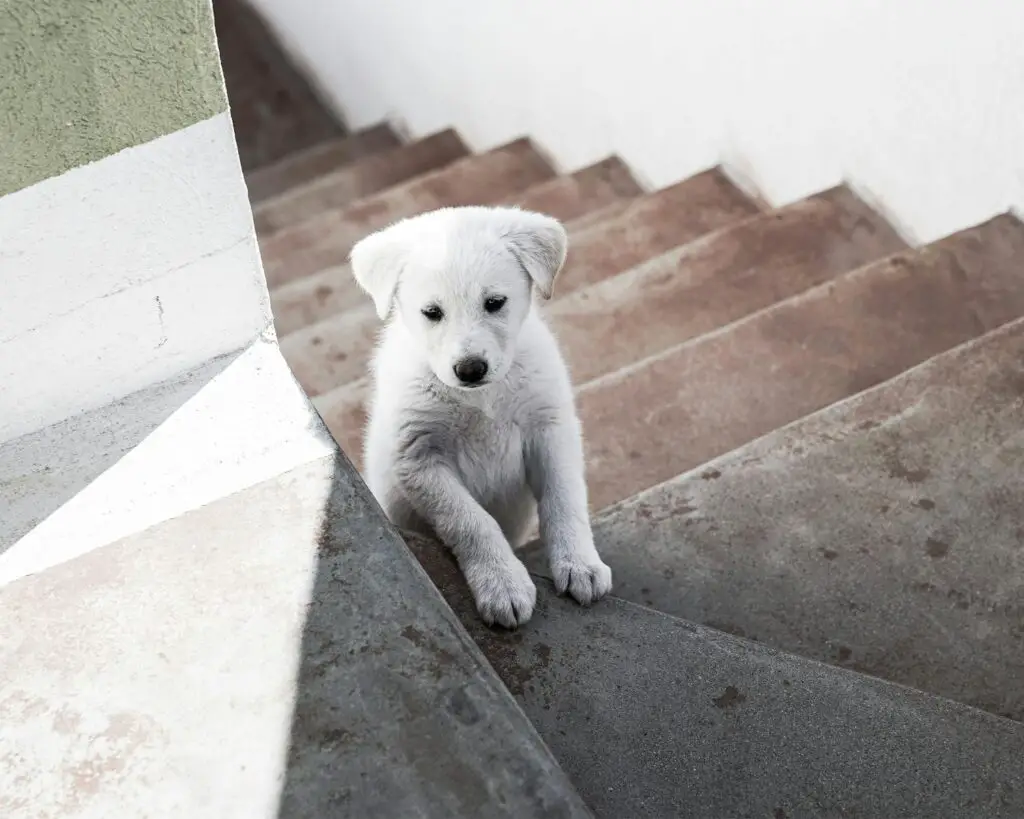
(473, 428)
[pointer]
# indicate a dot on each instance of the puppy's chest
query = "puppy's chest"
(487, 450)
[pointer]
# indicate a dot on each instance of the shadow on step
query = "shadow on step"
(654, 716)
(396, 712)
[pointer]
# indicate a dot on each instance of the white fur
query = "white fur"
(472, 465)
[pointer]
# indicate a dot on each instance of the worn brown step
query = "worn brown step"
(343, 411)
(334, 351)
(570, 198)
(883, 534)
(717, 279)
(651, 225)
(661, 417)
(274, 109)
(576, 195)
(325, 240)
(676, 296)
(358, 179)
(305, 166)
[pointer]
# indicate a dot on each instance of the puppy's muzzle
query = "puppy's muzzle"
(470, 370)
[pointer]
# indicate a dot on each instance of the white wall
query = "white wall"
(123, 273)
(919, 103)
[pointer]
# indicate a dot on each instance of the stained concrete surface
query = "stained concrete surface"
(275, 653)
(883, 534)
(655, 717)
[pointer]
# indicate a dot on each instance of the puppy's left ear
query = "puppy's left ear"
(539, 243)
(377, 263)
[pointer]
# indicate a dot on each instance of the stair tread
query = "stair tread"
(326, 239)
(295, 692)
(305, 165)
(575, 195)
(364, 177)
(678, 295)
(651, 715)
(274, 109)
(651, 225)
(569, 198)
(882, 533)
(717, 279)
(722, 390)
(343, 411)
(335, 350)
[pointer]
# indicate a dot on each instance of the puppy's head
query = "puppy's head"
(460, 280)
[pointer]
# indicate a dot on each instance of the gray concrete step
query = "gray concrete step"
(277, 652)
(652, 716)
(355, 180)
(883, 534)
(668, 414)
(326, 239)
(305, 166)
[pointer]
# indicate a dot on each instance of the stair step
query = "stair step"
(653, 716)
(343, 411)
(722, 390)
(673, 297)
(882, 534)
(306, 165)
(326, 239)
(259, 680)
(720, 278)
(577, 195)
(359, 179)
(334, 351)
(651, 225)
(570, 198)
(274, 109)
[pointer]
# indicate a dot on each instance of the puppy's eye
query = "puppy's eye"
(493, 304)
(433, 313)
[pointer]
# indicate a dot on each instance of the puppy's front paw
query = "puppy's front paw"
(587, 579)
(504, 592)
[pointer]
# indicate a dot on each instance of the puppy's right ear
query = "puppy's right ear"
(377, 263)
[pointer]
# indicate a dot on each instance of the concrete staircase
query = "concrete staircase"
(802, 435)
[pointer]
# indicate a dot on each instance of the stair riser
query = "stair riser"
(305, 166)
(881, 535)
(571, 199)
(325, 240)
(331, 353)
(653, 716)
(716, 280)
(363, 178)
(719, 392)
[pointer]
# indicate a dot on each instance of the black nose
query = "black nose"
(470, 370)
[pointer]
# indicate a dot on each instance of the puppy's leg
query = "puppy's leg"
(501, 585)
(554, 468)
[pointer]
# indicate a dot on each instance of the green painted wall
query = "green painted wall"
(82, 79)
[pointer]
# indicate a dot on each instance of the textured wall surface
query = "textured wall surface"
(917, 102)
(83, 79)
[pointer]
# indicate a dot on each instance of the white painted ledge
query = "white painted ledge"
(156, 677)
(106, 474)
